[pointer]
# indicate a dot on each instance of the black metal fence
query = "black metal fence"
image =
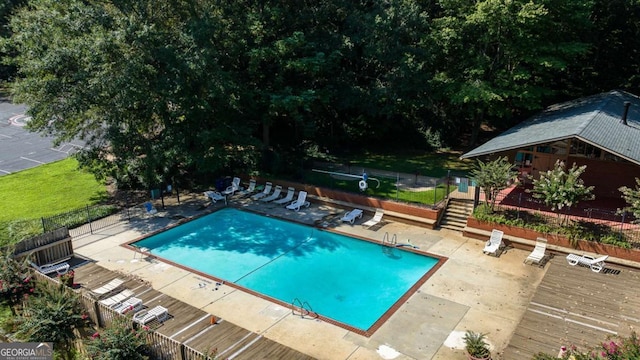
(606, 225)
(86, 220)
(412, 188)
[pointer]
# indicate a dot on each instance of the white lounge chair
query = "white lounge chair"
(157, 313)
(300, 202)
(249, 190)
(215, 196)
(351, 216)
(149, 208)
(263, 193)
(494, 243)
(117, 298)
(61, 268)
(287, 198)
(231, 189)
(538, 252)
(274, 195)
(377, 217)
(596, 264)
(131, 304)
(107, 288)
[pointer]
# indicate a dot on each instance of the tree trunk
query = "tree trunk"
(265, 134)
(476, 123)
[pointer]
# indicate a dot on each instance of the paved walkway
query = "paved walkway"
(471, 291)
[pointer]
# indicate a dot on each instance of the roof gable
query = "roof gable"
(595, 119)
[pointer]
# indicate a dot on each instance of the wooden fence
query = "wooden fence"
(161, 347)
(48, 248)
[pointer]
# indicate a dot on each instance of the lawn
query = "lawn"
(434, 164)
(45, 190)
(387, 189)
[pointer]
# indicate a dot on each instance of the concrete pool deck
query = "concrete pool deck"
(471, 291)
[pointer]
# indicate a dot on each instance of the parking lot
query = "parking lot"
(21, 149)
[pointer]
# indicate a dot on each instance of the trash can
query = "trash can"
(155, 193)
(220, 184)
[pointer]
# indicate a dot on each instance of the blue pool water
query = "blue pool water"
(348, 280)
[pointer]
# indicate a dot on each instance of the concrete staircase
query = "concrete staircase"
(456, 214)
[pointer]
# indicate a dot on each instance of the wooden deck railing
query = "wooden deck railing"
(160, 346)
(48, 248)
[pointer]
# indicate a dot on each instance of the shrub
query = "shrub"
(614, 348)
(573, 230)
(476, 345)
(15, 279)
(54, 314)
(120, 341)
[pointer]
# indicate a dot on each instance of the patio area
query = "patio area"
(471, 291)
(575, 306)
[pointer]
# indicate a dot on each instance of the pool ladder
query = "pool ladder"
(302, 308)
(389, 242)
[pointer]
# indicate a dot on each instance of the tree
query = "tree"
(202, 88)
(119, 341)
(382, 76)
(632, 197)
(7, 7)
(497, 59)
(611, 62)
(560, 188)
(144, 85)
(493, 177)
(54, 314)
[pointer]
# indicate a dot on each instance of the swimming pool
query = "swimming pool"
(344, 279)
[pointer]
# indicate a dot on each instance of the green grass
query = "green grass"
(46, 190)
(434, 164)
(386, 190)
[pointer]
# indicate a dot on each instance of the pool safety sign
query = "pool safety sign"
(26, 351)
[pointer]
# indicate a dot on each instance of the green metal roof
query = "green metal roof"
(596, 120)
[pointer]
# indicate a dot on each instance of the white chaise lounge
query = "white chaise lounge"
(595, 264)
(351, 216)
(231, 189)
(494, 243)
(288, 198)
(249, 190)
(377, 217)
(274, 195)
(61, 268)
(263, 193)
(538, 252)
(157, 313)
(215, 196)
(300, 202)
(107, 288)
(117, 298)
(131, 304)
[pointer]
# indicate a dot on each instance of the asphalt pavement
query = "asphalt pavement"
(21, 149)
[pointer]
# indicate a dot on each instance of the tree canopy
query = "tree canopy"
(187, 89)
